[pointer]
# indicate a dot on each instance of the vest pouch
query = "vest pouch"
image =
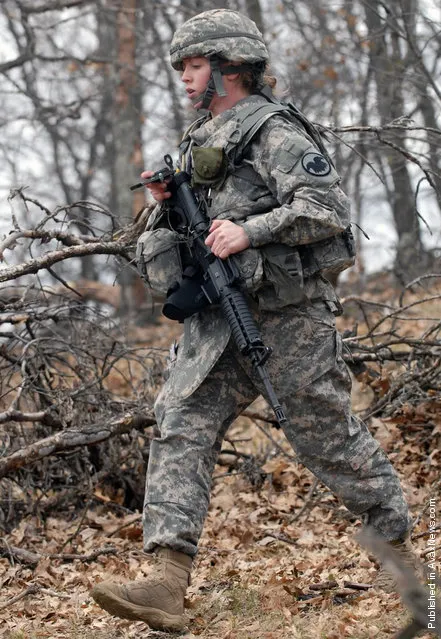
(158, 259)
(250, 265)
(329, 257)
(284, 273)
(210, 166)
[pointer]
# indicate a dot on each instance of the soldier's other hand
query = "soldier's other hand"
(157, 189)
(226, 238)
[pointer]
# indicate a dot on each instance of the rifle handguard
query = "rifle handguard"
(243, 327)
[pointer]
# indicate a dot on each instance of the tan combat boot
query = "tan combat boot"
(157, 600)
(392, 580)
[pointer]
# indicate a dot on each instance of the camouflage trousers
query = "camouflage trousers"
(313, 384)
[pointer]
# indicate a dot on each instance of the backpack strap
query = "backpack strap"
(311, 130)
(253, 117)
(251, 120)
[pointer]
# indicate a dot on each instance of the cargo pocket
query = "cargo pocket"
(361, 445)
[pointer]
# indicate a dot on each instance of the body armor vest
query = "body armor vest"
(330, 256)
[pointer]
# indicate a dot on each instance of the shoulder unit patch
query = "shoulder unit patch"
(316, 164)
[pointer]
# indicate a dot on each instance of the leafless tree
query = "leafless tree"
(374, 65)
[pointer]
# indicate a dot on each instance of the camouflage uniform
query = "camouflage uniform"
(210, 383)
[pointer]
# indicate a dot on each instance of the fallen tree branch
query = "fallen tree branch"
(33, 589)
(69, 439)
(32, 558)
(68, 239)
(35, 265)
(356, 586)
(42, 416)
(324, 585)
(72, 438)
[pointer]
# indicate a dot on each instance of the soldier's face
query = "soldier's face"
(195, 75)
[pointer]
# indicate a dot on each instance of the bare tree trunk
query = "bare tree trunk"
(426, 100)
(389, 69)
(429, 114)
(162, 49)
(106, 42)
(425, 85)
(128, 162)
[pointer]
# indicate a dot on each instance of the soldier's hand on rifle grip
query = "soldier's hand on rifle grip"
(157, 189)
(226, 238)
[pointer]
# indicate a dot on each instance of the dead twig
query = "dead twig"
(280, 537)
(356, 586)
(32, 558)
(33, 589)
(435, 487)
(426, 533)
(309, 502)
(324, 585)
(70, 539)
(135, 519)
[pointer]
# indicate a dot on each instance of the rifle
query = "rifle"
(220, 278)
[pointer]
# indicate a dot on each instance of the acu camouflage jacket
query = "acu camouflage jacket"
(290, 198)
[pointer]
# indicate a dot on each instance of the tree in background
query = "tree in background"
(374, 66)
(399, 71)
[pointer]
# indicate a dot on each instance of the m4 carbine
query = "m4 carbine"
(220, 278)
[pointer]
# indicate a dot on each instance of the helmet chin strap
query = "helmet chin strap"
(205, 98)
(215, 84)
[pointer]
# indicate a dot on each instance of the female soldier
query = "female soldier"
(276, 205)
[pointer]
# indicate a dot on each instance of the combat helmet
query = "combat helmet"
(219, 35)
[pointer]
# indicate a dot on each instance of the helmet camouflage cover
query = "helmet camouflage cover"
(228, 34)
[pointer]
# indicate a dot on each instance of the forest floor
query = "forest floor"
(267, 543)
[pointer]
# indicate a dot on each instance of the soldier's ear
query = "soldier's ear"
(232, 79)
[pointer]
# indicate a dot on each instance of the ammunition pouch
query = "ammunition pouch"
(250, 265)
(158, 258)
(283, 281)
(210, 166)
(286, 268)
(328, 257)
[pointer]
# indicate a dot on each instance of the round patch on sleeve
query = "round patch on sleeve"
(316, 164)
